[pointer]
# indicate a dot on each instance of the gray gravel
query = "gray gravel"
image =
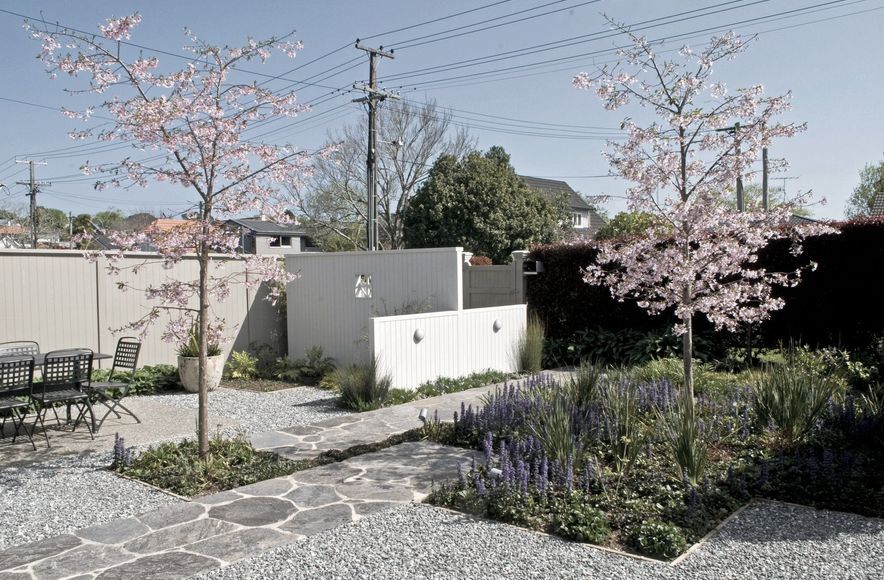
(775, 540)
(65, 494)
(259, 412)
(420, 541)
(767, 540)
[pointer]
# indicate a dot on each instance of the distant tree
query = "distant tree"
(409, 138)
(479, 202)
(871, 182)
(627, 223)
(82, 224)
(109, 219)
(9, 215)
(51, 220)
(137, 222)
(753, 199)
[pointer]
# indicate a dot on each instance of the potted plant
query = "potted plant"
(189, 362)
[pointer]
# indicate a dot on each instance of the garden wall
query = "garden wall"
(336, 295)
(416, 348)
(60, 300)
(839, 304)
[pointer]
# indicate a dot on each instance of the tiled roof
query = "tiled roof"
(878, 204)
(268, 228)
(551, 187)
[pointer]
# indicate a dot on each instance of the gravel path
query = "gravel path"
(767, 540)
(64, 494)
(259, 412)
(776, 540)
(420, 541)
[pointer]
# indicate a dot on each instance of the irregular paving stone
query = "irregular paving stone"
(327, 474)
(80, 560)
(254, 511)
(27, 553)
(272, 439)
(164, 566)
(115, 532)
(172, 515)
(14, 575)
(301, 430)
(277, 486)
(373, 507)
(371, 490)
(309, 522)
(237, 545)
(313, 496)
(216, 498)
(180, 535)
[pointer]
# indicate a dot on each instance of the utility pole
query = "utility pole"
(33, 187)
(784, 185)
(735, 131)
(373, 96)
(70, 230)
(764, 199)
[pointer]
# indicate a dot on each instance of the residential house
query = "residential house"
(584, 218)
(260, 235)
(12, 235)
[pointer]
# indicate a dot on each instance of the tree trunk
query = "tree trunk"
(687, 349)
(203, 414)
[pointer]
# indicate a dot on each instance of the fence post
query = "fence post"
(519, 257)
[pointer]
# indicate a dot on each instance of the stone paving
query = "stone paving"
(307, 441)
(184, 539)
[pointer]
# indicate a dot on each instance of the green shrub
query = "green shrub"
(445, 385)
(177, 467)
(658, 539)
(241, 366)
(573, 518)
(147, 380)
(529, 350)
(361, 386)
(792, 399)
(684, 442)
(309, 370)
(707, 380)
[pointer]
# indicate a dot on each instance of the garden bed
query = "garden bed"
(258, 385)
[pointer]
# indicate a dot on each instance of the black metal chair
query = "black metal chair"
(19, 347)
(66, 375)
(16, 383)
(110, 393)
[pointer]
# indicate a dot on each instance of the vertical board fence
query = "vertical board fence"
(60, 300)
(417, 348)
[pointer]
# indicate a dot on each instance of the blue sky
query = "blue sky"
(826, 53)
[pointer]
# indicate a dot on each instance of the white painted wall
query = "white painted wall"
(453, 344)
(60, 300)
(323, 309)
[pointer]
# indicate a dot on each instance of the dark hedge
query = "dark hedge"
(839, 304)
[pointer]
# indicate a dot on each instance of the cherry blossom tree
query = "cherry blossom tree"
(191, 123)
(700, 256)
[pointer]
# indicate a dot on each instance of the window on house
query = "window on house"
(363, 285)
(281, 242)
(576, 219)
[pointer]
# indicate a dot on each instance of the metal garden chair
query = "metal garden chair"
(19, 347)
(65, 382)
(110, 393)
(16, 383)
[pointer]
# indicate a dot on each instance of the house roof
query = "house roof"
(878, 204)
(166, 224)
(268, 228)
(551, 187)
(11, 229)
(798, 220)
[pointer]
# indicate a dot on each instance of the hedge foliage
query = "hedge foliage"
(841, 303)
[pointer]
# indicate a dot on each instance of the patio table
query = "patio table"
(41, 357)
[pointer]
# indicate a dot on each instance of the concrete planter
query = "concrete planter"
(188, 372)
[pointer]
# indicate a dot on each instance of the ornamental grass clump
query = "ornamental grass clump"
(684, 440)
(529, 350)
(791, 400)
(362, 387)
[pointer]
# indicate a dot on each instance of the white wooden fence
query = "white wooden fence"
(416, 348)
(60, 300)
(498, 285)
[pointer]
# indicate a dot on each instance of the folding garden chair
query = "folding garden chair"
(16, 382)
(110, 393)
(66, 376)
(19, 347)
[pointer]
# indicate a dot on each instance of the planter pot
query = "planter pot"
(188, 372)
